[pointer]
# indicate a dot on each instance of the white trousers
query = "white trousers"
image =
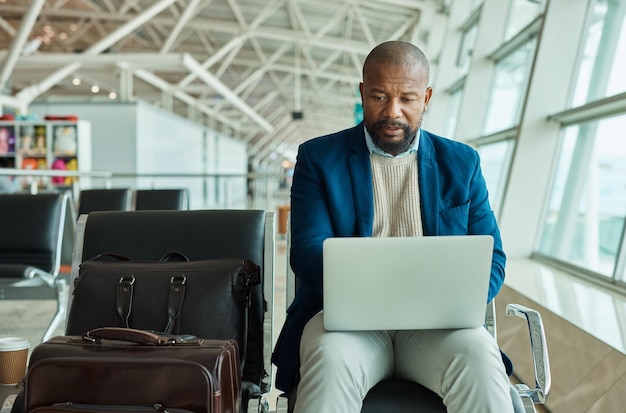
(338, 368)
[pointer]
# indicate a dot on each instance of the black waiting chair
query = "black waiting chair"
(33, 228)
(161, 199)
(116, 199)
(199, 234)
(403, 396)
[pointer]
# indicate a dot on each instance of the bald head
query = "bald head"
(394, 94)
(399, 54)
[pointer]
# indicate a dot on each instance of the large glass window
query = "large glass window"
(522, 13)
(495, 159)
(476, 3)
(584, 224)
(466, 49)
(454, 110)
(509, 85)
(601, 70)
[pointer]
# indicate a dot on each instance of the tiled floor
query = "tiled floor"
(598, 311)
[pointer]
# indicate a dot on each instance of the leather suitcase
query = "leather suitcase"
(119, 369)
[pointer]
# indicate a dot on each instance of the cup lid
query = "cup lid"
(13, 343)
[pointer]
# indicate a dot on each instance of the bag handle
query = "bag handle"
(175, 256)
(175, 300)
(126, 283)
(124, 298)
(117, 257)
(136, 336)
(176, 292)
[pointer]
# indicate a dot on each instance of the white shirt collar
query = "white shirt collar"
(375, 149)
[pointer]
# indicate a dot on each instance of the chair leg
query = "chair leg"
(259, 405)
(62, 302)
(284, 404)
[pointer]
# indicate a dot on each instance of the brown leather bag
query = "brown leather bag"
(121, 369)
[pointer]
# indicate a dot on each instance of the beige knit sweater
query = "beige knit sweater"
(396, 196)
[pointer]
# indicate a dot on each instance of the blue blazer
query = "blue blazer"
(332, 196)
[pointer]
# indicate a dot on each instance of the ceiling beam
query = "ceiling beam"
(154, 61)
(19, 40)
(7, 27)
(195, 67)
(10, 102)
(224, 50)
(255, 28)
(364, 26)
(190, 10)
(164, 86)
(235, 42)
(28, 94)
(264, 67)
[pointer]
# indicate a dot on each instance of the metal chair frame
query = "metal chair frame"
(25, 278)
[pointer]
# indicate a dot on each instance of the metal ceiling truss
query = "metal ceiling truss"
(271, 72)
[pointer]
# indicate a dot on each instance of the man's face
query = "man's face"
(394, 99)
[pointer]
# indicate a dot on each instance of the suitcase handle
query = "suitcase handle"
(136, 336)
(176, 256)
(105, 255)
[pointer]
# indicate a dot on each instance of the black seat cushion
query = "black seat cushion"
(161, 199)
(401, 396)
(392, 396)
(30, 229)
(91, 200)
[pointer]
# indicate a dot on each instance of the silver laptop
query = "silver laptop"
(406, 283)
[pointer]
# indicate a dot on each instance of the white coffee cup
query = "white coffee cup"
(13, 359)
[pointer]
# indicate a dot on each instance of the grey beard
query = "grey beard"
(397, 147)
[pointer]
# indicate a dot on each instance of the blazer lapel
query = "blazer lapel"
(361, 176)
(428, 185)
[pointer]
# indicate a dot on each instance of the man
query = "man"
(387, 178)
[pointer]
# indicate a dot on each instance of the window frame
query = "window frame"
(591, 112)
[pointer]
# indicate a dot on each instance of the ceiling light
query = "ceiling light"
(95, 89)
(76, 81)
(112, 95)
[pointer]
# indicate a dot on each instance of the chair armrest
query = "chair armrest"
(34, 272)
(490, 319)
(539, 350)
